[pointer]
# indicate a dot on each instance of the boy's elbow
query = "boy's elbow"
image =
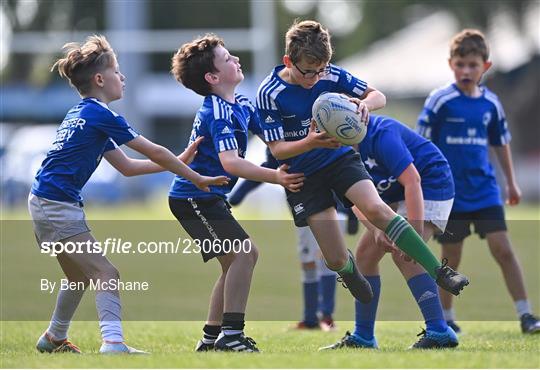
(229, 165)
(277, 153)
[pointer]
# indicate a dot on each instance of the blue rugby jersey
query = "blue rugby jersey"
(390, 147)
(89, 129)
(224, 127)
(462, 127)
(285, 111)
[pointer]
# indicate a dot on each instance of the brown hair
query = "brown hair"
(308, 40)
(195, 59)
(81, 62)
(469, 41)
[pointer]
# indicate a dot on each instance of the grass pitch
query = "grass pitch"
(483, 345)
(181, 285)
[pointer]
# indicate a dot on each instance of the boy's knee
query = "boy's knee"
(376, 211)
(105, 273)
(336, 262)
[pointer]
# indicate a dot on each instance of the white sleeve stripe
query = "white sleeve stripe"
(443, 100)
(331, 77)
(361, 84)
(268, 94)
(264, 91)
(493, 99)
(132, 132)
(358, 91)
(274, 94)
(228, 144)
(274, 134)
(437, 94)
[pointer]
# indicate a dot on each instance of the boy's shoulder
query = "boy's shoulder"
(269, 89)
(244, 101)
(93, 108)
(494, 99)
(441, 95)
(215, 108)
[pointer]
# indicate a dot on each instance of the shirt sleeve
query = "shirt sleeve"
(269, 119)
(346, 82)
(497, 127)
(222, 133)
(111, 145)
(117, 128)
(392, 153)
(427, 122)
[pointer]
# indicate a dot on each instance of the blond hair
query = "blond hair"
(81, 62)
(308, 40)
(469, 41)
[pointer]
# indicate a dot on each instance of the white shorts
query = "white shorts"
(308, 248)
(54, 220)
(435, 211)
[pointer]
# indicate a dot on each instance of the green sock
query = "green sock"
(347, 268)
(408, 240)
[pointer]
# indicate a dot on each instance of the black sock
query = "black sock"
(233, 323)
(210, 333)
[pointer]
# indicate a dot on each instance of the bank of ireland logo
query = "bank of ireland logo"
(305, 122)
(486, 118)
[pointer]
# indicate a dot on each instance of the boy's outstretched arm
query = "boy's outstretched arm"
(164, 158)
(504, 156)
(128, 166)
(240, 167)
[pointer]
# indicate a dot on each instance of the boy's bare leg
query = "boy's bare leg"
(501, 249)
(238, 280)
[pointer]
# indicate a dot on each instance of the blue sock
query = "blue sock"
(327, 294)
(364, 323)
(426, 295)
(311, 300)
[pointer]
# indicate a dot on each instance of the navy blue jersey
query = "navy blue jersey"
(462, 127)
(224, 127)
(390, 147)
(89, 129)
(285, 112)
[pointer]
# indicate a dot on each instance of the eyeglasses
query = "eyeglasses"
(310, 74)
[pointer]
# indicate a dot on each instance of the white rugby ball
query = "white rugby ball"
(336, 115)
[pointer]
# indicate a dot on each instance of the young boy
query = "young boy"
(318, 282)
(285, 99)
(462, 119)
(413, 177)
(207, 68)
(90, 131)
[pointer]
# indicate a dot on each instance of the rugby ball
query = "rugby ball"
(336, 115)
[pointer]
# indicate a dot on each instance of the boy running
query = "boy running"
(285, 99)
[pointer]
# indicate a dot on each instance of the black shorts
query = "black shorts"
(208, 219)
(318, 191)
(485, 221)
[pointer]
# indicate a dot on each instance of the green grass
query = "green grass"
(180, 286)
(484, 345)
